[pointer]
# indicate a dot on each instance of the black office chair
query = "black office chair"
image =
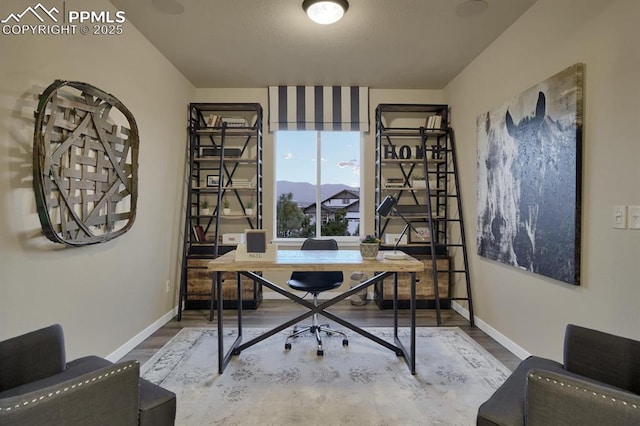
(315, 283)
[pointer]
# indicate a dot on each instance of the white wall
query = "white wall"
(531, 310)
(103, 295)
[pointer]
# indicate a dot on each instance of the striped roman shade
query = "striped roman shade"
(319, 108)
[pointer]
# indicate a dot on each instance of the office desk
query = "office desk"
(315, 260)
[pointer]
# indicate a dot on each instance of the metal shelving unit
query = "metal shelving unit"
(225, 167)
(409, 143)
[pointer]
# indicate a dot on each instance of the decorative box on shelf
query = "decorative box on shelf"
(241, 183)
(233, 238)
(391, 239)
(234, 121)
(419, 183)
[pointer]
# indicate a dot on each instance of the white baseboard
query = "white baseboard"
(493, 333)
(140, 337)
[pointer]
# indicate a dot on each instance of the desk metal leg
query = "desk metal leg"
(224, 358)
(395, 306)
(240, 302)
(410, 355)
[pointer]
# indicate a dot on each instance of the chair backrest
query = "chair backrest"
(603, 357)
(317, 244)
(32, 356)
(323, 277)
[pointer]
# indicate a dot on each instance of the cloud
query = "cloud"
(287, 156)
(351, 164)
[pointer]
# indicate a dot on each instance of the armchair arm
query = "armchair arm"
(32, 356)
(555, 398)
(603, 357)
(107, 396)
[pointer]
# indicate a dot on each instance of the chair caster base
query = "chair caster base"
(287, 346)
(345, 342)
(320, 352)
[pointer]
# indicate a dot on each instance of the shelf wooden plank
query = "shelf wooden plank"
(228, 160)
(231, 131)
(410, 132)
(233, 216)
(411, 161)
(395, 188)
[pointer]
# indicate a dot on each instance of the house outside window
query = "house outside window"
(318, 198)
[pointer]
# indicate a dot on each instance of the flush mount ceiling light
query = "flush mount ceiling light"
(471, 8)
(325, 11)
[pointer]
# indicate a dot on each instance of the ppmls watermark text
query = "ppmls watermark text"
(40, 20)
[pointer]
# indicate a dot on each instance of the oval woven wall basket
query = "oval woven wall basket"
(85, 164)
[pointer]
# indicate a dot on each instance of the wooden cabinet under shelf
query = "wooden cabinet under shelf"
(425, 298)
(199, 279)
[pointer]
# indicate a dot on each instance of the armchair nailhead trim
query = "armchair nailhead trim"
(625, 403)
(65, 389)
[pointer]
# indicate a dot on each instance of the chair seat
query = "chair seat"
(315, 282)
(313, 285)
(506, 406)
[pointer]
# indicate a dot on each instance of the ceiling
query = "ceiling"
(388, 44)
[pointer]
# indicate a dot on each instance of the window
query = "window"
(317, 198)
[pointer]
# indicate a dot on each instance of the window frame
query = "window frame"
(343, 240)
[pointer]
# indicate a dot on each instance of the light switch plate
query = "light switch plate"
(620, 217)
(634, 217)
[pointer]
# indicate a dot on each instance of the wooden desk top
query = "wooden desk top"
(316, 260)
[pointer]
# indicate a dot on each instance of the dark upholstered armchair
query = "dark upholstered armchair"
(38, 387)
(598, 384)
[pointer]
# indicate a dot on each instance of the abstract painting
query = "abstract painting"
(529, 178)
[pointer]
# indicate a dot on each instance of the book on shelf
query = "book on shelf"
(437, 121)
(212, 120)
(434, 121)
(394, 182)
(198, 233)
(216, 151)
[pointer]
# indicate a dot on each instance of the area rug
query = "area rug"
(360, 384)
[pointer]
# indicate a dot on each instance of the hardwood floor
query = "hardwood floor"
(273, 312)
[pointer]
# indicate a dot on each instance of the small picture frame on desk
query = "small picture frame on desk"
(256, 247)
(213, 181)
(256, 240)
